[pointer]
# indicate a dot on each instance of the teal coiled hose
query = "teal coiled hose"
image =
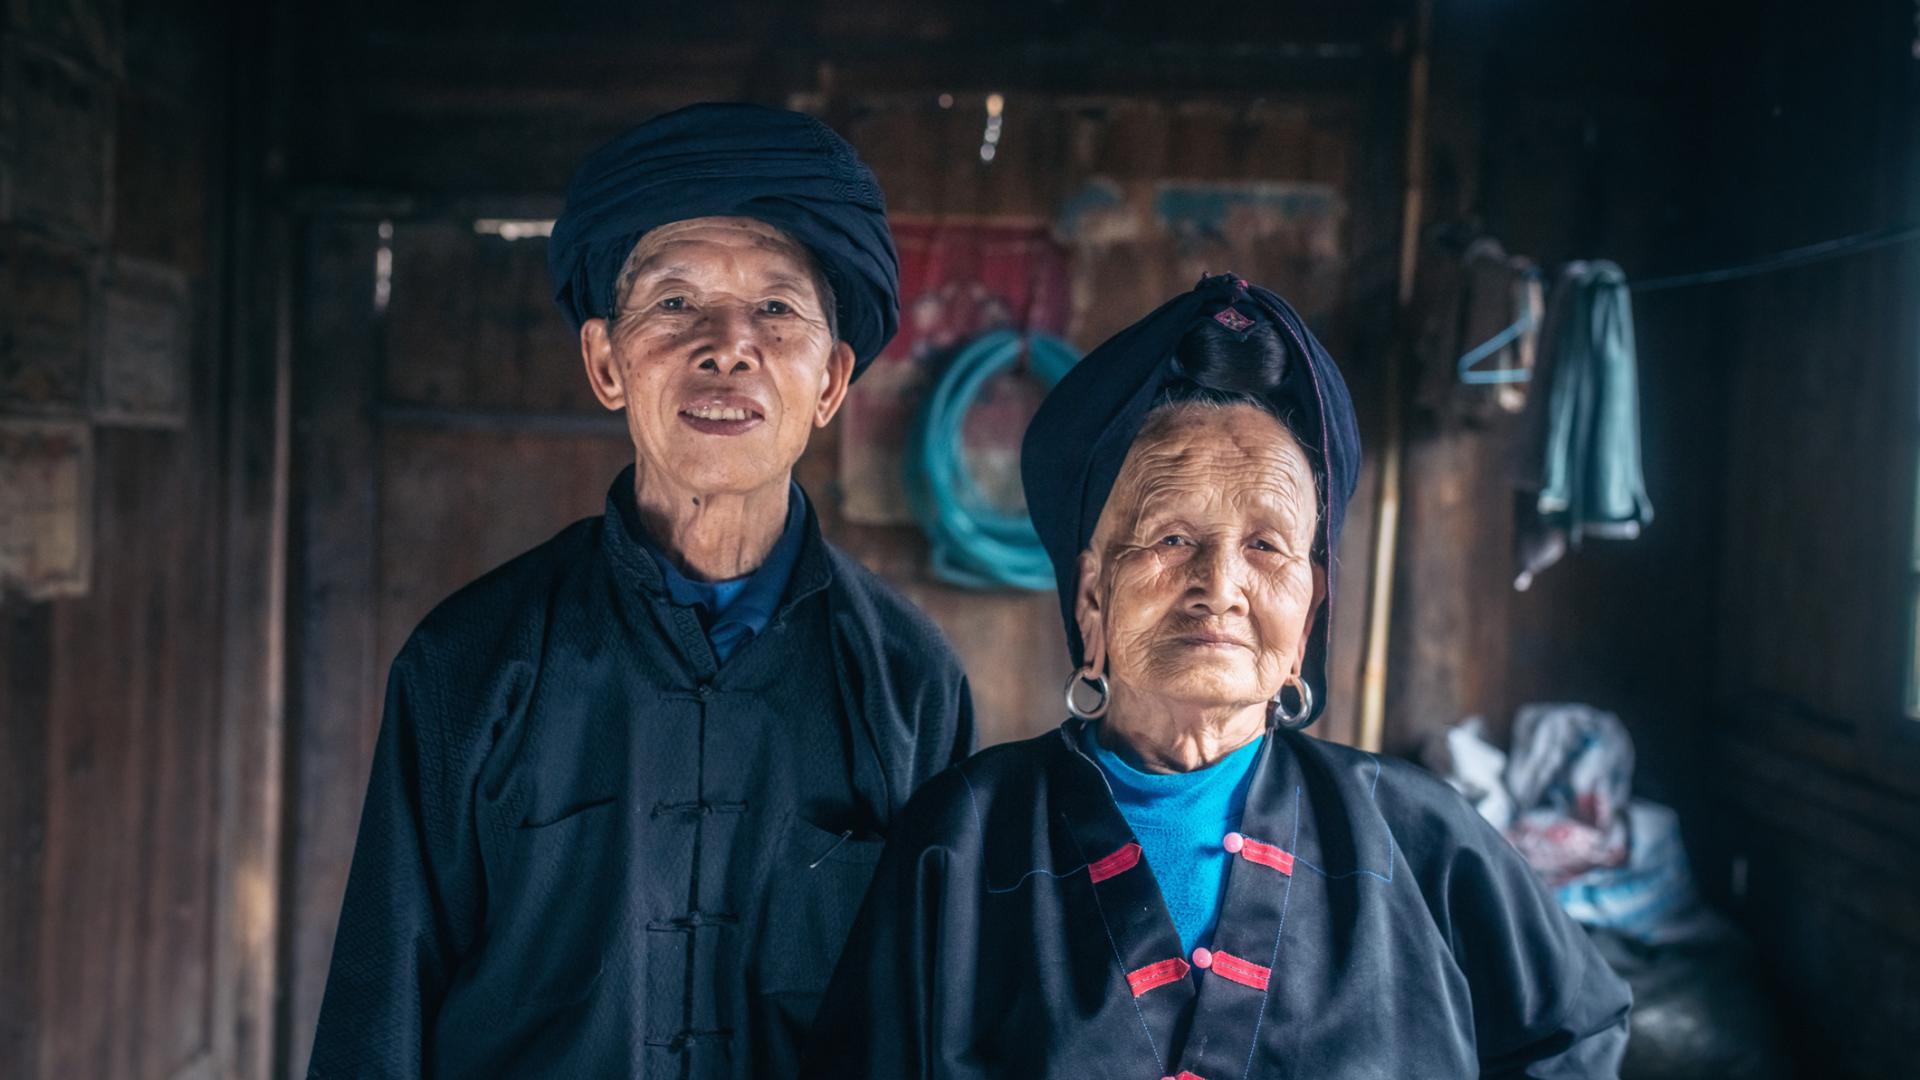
(976, 544)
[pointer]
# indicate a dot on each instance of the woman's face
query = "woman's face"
(1198, 587)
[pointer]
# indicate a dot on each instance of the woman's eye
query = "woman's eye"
(674, 303)
(776, 307)
(1172, 540)
(1262, 545)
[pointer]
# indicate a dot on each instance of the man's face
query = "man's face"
(721, 355)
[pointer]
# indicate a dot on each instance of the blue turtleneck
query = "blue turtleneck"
(1180, 819)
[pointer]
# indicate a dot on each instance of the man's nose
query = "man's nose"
(1213, 584)
(727, 342)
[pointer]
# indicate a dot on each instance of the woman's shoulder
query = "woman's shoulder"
(1421, 809)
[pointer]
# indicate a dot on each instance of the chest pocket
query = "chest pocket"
(814, 888)
(555, 906)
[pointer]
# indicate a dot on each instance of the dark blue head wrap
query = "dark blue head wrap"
(1080, 437)
(728, 160)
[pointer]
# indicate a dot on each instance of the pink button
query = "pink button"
(1233, 843)
(1202, 958)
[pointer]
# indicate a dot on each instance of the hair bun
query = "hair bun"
(1215, 358)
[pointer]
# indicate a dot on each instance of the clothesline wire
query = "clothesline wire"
(1781, 260)
(1792, 257)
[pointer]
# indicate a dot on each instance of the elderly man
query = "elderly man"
(630, 786)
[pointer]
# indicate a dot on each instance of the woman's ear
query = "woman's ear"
(834, 383)
(603, 368)
(1313, 616)
(1090, 615)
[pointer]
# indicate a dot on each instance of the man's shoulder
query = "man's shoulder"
(509, 602)
(893, 623)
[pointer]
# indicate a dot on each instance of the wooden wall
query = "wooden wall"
(1755, 638)
(1549, 141)
(1817, 793)
(137, 722)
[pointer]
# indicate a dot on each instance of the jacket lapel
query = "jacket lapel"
(1125, 900)
(1248, 954)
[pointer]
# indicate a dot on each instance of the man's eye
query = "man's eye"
(1172, 540)
(776, 307)
(1262, 545)
(674, 303)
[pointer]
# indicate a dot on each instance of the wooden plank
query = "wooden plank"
(333, 707)
(1842, 971)
(46, 298)
(1768, 773)
(456, 504)
(133, 759)
(112, 956)
(26, 675)
(57, 114)
(471, 324)
(252, 258)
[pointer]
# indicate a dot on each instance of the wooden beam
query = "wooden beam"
(1373, 684)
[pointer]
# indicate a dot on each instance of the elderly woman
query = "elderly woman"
(1179, 881)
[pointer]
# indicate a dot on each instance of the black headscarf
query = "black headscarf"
(1080, 437)
(730, 160)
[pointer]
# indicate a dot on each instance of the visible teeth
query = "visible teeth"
(715, 412)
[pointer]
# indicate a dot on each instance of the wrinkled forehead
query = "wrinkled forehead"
(1233, 458)
(718, 243)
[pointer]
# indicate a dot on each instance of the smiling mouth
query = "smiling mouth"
(721, 417)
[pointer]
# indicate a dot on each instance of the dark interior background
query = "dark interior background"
(382, 404)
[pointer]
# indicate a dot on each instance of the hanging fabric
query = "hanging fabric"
(1582, 476)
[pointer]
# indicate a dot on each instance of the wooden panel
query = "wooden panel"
(1562, 159)
(1821, 766)
(131, 792)
(254, 255)
(456, 504)
(26, 680)
(121, 769)
(333, 708)
(472, 324)
(58, 117)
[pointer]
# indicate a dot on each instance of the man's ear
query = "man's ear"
(603, 368)
(834, 383)
(1313, 616)
(1090, 615)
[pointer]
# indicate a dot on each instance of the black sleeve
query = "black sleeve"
(965, 738)
(1545, 1004)
(895, 993)
(413, 894)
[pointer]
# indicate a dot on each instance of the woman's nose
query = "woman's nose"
(1214, 585)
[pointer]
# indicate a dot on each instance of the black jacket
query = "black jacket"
(588, 850)
(1373, 926)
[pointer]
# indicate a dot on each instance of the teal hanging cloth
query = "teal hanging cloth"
(1583, 476)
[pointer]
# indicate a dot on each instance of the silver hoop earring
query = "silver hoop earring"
(1277, 712)
(1098, 682)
